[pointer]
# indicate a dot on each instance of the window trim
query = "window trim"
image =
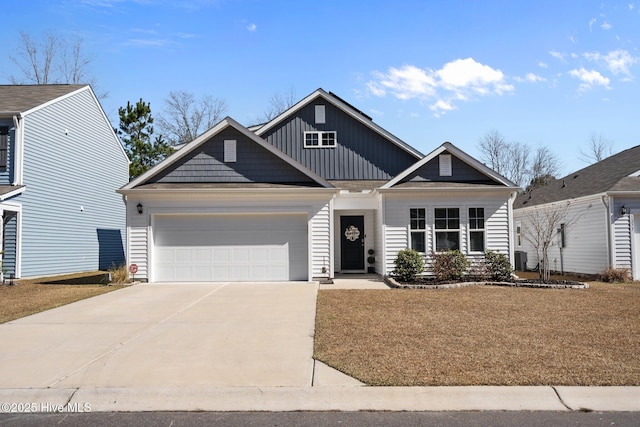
(4, 148)
(320, 135)
(445, 230)
(418, 230)
(483, 230)
(518, 234)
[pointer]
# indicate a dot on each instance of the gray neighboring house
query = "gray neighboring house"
(320, 189)
(60, 162)
(602, 212)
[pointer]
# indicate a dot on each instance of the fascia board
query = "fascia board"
(54, 100)
(18, 190)
(261, 191)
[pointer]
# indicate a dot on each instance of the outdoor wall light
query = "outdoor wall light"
(139, 208)
(624, 210)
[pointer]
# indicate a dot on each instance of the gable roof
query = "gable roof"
(452, 149)
(193, 145)
(617, 173)
(22, 98)
(344, 106)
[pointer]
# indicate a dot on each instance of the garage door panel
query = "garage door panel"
(263, 247)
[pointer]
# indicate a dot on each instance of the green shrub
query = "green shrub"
(498, 266)
(615, 275)
(409, 263)
(449, 265)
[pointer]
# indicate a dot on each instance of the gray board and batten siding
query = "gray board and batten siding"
(360, 152)
(72, 218)
(461, 172)
(253, 164)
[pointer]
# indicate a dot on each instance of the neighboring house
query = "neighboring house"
(601, 209)
(60, 162)
(306, 195)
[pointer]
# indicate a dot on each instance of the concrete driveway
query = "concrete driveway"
(159, 335)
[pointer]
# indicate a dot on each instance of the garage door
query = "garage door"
(242, 247)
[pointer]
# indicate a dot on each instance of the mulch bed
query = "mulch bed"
(431, 283)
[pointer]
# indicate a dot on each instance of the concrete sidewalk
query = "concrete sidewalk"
(330, 398)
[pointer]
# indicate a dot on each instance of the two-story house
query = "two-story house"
(319, 189)
(60, 162)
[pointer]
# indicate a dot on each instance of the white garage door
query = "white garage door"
(239, 247)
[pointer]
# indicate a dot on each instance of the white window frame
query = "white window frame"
(518, 234)
(445, 230)
(483, 230)
(418, 229)
(320, 135)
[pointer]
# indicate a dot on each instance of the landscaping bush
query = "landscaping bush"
(498, 266)
(119, 275)
(409, 263)
(615, 275)
(449, 265)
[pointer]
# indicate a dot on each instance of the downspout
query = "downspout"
(512, 199)
(605, 203)
(19, 149)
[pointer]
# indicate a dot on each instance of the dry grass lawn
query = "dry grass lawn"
(33, 296)
(483, 335)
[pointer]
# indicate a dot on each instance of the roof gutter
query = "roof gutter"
(305, 190)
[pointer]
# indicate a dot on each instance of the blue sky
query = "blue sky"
(539, 72)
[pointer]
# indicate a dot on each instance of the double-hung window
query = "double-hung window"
(447, 229)
(417, 224)
(326, 139)
(476, 229)
(4, 147)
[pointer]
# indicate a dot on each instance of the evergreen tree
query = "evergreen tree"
(136, 132)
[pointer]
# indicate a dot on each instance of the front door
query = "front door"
(352, 242)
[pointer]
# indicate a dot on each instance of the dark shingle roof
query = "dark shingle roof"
(20, 98)
(610, 174)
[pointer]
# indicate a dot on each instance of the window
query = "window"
(417, 224)
(320, 139)
(229, 150)
(447, 229)
(445, 164)
(320, 114)
(518, 233)
(476, 229)
(4, 146)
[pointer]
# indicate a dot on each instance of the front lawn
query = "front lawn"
(33, 296)
(483, 335)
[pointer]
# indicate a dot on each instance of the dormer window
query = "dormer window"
(326, 139)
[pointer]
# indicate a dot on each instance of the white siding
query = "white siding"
(622, 231)
(585, 238)
(316, 207)
(320, 242)
(396, 225)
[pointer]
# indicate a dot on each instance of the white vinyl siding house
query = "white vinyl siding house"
(602, 202)
(281, 211)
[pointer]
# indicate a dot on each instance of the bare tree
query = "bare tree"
(541, 227)
(599, 149)
(510, 159)
(544, 167)
(184, 117)
(52, 59)
(35, 58)
(278, 103)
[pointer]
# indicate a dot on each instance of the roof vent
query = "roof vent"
(563, 184)
(575, 176)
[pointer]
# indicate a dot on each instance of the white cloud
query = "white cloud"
(252, 27)
(530, 78)
(556, 55)
(606, 26)
(591, 22)
(457, 81)
(589, 79)
(543, 64)
(617, 61)
(631, 6)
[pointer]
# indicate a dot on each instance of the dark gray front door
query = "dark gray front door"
(352, 242)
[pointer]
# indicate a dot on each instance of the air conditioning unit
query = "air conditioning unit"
(520, 260)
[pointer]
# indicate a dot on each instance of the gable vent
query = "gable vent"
(445, 164)
(320, 114)
(229, 150)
